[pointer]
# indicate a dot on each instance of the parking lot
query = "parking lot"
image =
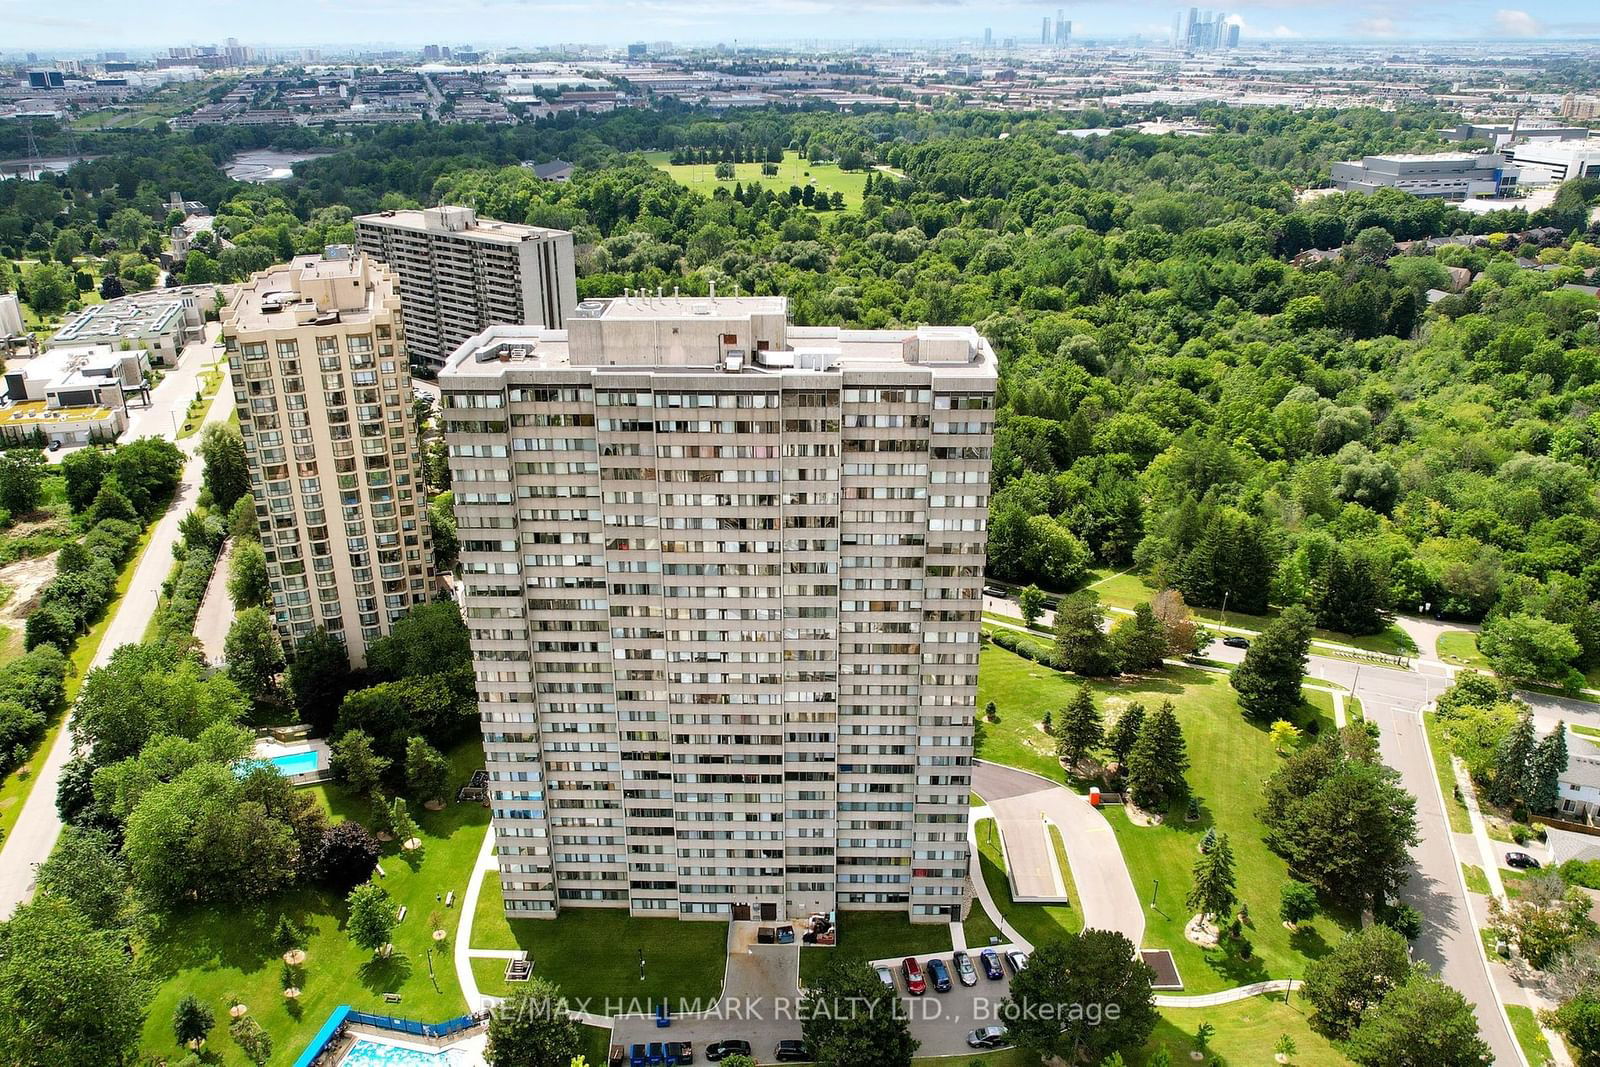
(761, 1005)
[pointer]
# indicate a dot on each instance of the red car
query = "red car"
(911, 970)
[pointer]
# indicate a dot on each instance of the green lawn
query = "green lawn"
(878, 935)
(1477, 881)
(18, 784)
(219, 953)
(1247, 1032)
(979, 927)
(1036, 922)
(1128, 590)
(1526, 1027)
(1460, 821)
(1461, 647)
(1229, 756)
(827, 177)
(593, 953)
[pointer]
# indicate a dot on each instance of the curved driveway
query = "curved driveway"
(1022, 802)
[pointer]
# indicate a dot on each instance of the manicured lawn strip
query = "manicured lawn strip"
(19, 783)
(1587, 731)
(1129, 590)
(1247, 1030)
(593, 953)
(227, 951)
(1526, 1028)
(1229, 756)
(878, 935)
(1477, 881)
(827, 177)
(1038, 923)
(1011, 1057)
(1461, 647)
(1460, 822)
(979, 927)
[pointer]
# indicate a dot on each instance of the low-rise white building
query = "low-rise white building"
(1437, 175)
(72, 394)
(160, 322)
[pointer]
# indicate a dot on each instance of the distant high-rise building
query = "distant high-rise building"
(638, 50)
(317, 352)
(1233, 35)
(430, 52)
(723, 576)
(1177, 27)
(459, 274)
(988, 38)
(1064, 32)
(1044, 30)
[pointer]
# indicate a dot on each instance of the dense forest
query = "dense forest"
(1374, 428)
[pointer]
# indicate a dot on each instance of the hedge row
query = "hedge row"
(32, 688)
(1028, 648)
(85, 582)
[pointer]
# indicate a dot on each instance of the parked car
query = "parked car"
(1018, 961)
(885, 975)
(1236, 642)
(791, 1052)
(719, 1050)
(680, 1053)
(940, 975)
(911, 971)
(965, 971)
(55, 446)
(988, 1037)
(991, 964)
(1521, 861)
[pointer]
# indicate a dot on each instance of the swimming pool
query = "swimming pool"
(287, 763)
(368, 1053)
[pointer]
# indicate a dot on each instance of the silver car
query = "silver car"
(988, 1037)
(885, 975)
(965, 971)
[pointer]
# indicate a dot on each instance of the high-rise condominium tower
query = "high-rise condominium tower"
(323, 392)
(723, 577)
(459, 274)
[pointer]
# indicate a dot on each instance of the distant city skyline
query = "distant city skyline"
(98, 24)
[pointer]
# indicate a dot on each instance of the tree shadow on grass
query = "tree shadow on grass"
(1309, 942)
(1229, 961)
(381, 975)
(236, 936)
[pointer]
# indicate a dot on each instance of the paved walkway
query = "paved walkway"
(215, 616)
(1021, 802)
(38, 824)
(1227, 996)
(483, 866)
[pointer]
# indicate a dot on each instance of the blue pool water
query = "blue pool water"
(365, 1053)
(286, 764)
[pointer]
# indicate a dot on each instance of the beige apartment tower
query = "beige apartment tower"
(323, 392)
(723, 577)
(459, 274)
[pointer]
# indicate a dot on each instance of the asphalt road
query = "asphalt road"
(1449, 942)
(38, 825)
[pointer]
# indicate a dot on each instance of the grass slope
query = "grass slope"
(223, 952)
(826, 177)
(1230, 756)
(1036, 922)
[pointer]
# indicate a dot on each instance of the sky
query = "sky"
(101, 24)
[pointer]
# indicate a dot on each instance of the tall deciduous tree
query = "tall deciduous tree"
(226, 468)
(354, 762)
(427, 772)
(69, 996)
(1359, 972)
(1422, 1023)
(254, 653)
(318, 678)
(371, 918)
(1268, 681)
(1138, 642)
(248, 583)
(851, 1019)
(533, 1029)
(1045, 1012)
(1031, 602)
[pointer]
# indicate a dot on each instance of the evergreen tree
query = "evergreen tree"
(1157, 761)
(192, 1020)
(1212, 894)
(1268, 681)
(1351, 594)
(1081, 640)
(1512, 762)
(1549, 761)
(1081, 730)
(1140, 642)
(1125, 731)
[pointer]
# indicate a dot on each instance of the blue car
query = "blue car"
(940, 974)
(991, 964)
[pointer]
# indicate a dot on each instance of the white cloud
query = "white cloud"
(1377, 27)
(1517, 23)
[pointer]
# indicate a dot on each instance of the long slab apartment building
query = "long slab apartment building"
(723, 576)
(458, 274)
